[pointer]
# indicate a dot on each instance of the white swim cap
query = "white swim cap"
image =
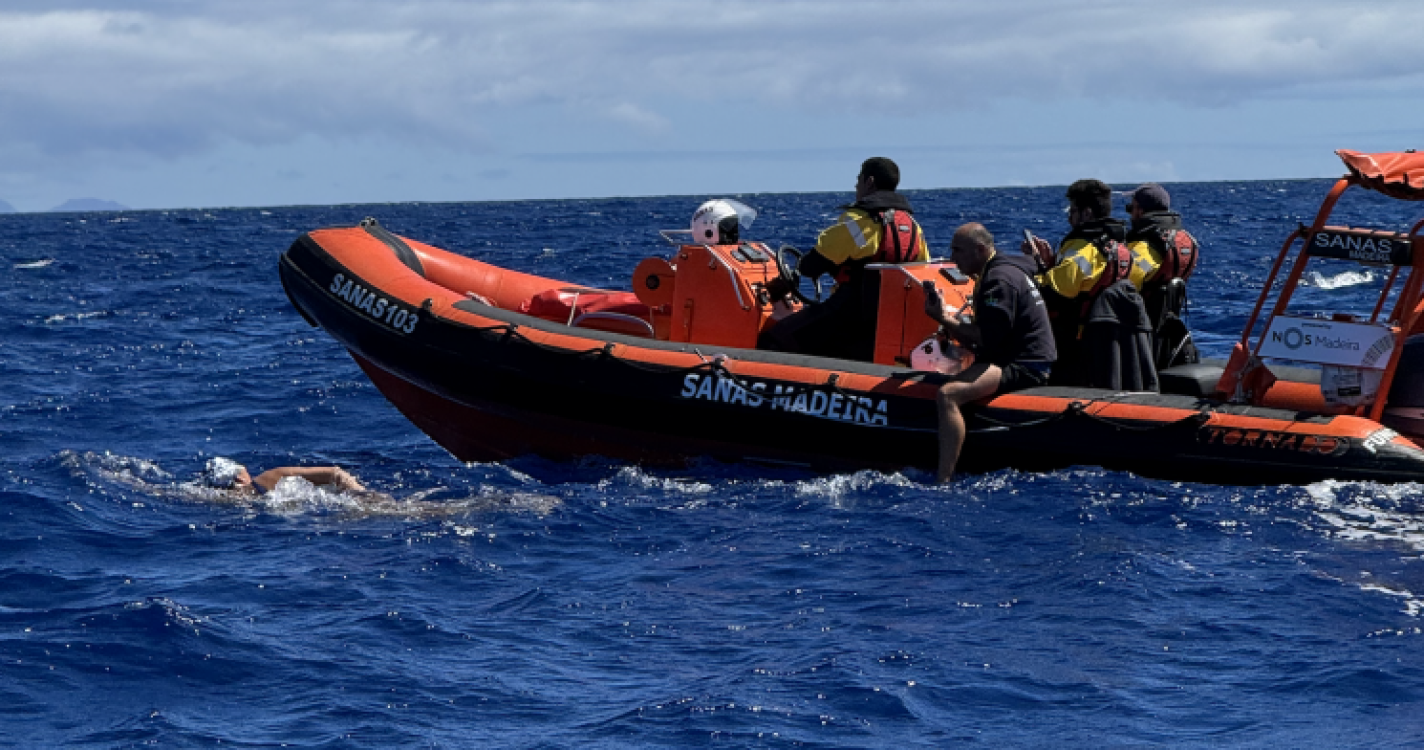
(221, 472)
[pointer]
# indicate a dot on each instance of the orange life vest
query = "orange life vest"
(899, 237)
(1179, 255)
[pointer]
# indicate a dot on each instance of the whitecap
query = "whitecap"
(1338, 281)
(633, 476)
(114, 467)
(35, 263)
(837, 487)
(64, 317)
(1366, 511)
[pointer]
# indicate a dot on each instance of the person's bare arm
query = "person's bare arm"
(334, 476)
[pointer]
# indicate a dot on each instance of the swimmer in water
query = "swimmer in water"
(226, 474)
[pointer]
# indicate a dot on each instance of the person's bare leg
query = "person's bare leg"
(979, 381)
(951, 434)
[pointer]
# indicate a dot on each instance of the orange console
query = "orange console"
(709, 294)
(902, 323)
(715, 295)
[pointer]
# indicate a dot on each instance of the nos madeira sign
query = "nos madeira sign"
(1328, 342)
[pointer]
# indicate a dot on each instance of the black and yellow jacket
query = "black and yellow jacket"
(845, 247)
(1081, 261)
(1148, 236)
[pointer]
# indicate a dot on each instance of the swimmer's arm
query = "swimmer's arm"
(320, 475)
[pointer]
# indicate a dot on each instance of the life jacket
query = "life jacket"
(899, 237)
(1118, 266)
(1179, 255)
(899, 243)
(1175, 251)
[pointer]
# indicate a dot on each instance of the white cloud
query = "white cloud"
(178, 78)
(172, 102)
(638, 117)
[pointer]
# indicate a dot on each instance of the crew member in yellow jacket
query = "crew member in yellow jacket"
(879, 227)
(1091, 257)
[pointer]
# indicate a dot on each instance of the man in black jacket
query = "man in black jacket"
(1010, 334)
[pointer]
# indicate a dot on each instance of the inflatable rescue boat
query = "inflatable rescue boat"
(493, 363)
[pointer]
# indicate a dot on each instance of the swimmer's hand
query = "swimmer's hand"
(343, 481)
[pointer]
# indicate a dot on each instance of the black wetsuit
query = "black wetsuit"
(1015, 332)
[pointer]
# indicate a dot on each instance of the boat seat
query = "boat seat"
(1200, 379)
(1197, 379)
(597, 309)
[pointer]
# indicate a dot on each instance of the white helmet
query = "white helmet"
(716, 222)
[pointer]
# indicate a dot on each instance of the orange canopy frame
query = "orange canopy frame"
(1398, 174)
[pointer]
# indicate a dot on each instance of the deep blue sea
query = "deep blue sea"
(594, 604)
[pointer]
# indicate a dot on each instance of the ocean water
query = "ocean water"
(595, 604)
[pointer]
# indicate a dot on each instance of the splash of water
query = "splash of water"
(1338, 281)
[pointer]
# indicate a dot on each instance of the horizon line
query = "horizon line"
(231, 207)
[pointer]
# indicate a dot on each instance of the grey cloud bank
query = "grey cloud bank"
(209, 103)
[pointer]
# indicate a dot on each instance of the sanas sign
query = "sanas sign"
(1362, 246)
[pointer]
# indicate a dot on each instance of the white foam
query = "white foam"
(836, 487)
(632, 476)
(35, 263)
(51, 320)
(1338, 281)
(1367, 512)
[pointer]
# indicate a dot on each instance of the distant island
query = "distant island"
(89, 204)
(6, 208)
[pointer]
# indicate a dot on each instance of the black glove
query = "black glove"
(778, 288)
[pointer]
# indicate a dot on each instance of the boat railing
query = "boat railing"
(1368, 247)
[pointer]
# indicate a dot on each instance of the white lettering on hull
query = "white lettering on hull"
(374, 305)
(841, 407)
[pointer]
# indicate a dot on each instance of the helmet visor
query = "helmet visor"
(745, 214)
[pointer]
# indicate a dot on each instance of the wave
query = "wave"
(1371, 512)
(1338, 281)
(66, 317)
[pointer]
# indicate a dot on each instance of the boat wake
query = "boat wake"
(1370, 512)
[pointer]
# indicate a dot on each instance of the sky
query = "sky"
(198, 103)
